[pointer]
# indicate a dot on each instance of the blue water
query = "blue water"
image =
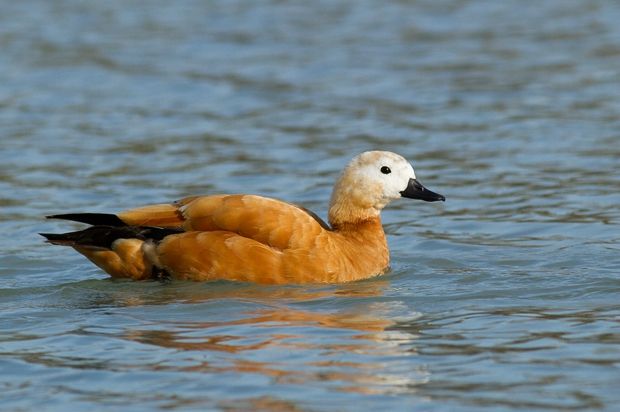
(504, 298)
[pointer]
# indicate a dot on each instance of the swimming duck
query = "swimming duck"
(250, 238)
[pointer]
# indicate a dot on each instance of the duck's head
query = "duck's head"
(372, 180)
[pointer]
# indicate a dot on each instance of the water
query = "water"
(504, 298)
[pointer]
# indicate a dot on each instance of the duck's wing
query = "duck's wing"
(269, 221)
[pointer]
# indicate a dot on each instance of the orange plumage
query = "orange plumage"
(252, 238)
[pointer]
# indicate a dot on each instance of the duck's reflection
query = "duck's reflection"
(347, 346)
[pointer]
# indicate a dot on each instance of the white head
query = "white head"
(372, 180)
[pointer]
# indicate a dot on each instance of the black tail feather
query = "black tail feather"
(98, 219)
(103, 236)
(57, 238)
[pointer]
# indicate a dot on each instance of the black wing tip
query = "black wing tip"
(95, 219)
(104, 236)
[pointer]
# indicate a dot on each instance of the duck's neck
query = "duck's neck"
(370, 225)
(366, 247)
(347, 213)
(352, 218)
(353, 203)
(349, 218)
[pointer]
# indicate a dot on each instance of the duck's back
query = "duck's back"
(269, 221)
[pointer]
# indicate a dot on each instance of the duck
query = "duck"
(252, 238)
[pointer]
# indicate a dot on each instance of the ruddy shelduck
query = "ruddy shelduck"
(250, 238)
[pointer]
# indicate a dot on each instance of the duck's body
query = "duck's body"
(252, 238)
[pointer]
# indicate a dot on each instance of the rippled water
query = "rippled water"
(506, 297)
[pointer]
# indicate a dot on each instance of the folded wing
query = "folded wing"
(272, 222)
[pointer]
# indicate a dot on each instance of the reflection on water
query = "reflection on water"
(369, 343)
(272, 338)
(356, 338)
(290, 328)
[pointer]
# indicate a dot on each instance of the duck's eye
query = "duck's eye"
(385, 170)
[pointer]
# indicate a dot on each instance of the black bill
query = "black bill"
(415, 190)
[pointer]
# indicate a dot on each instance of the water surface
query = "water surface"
(504, 298)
